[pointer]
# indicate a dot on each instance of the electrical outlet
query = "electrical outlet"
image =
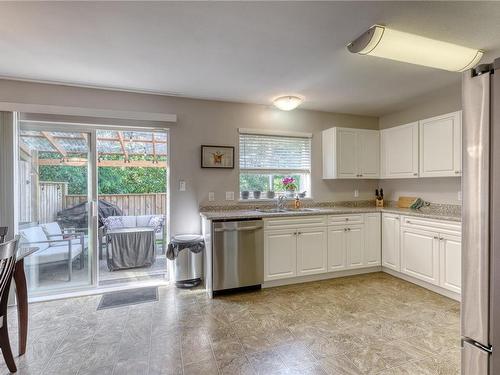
(182, 185)
(230, 195)
(211, 196)
(459, 195)
(356, 193)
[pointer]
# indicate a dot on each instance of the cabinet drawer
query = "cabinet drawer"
(345, 219)
(295, 222)
(442, 226)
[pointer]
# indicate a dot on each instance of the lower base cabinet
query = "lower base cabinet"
(450, 262)
(280, 254)
(420, 254)
(311, 251)
(430, 251)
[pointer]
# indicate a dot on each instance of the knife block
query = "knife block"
(379, 203)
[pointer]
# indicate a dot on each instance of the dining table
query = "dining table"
(22, 295)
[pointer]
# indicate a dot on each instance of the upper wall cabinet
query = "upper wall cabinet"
(441, 145)
(399, 151)
(350, 153)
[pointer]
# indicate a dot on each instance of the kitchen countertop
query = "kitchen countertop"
(427, 212)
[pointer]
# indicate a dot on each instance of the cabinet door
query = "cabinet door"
(420, 254)
(399, 149)
(441, 146)
(372, 254)
(450, 262)
(369, 153)
(336, 248)
(347, 155)
(312, 251)
(280, 254)
(391, 241)
(355, 245)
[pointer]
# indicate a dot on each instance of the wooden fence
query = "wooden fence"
(130, 204)
(54, 197)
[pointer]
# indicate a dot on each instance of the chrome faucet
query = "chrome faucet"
(280, 202)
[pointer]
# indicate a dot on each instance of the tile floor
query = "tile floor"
(370, 324)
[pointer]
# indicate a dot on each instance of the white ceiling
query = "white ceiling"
(246, 52)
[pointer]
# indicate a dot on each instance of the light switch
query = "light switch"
(230, 195)
(211, 196)
(356, 193)
(182, 185)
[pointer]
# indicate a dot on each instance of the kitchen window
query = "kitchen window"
(267, 157)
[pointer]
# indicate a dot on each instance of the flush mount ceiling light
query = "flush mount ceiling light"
(414, 49)
(287, 103)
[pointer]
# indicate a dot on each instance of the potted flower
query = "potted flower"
(289, 185)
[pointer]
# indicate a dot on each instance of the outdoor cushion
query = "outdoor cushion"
(129, 221)
(112, 222)
(34, 234)
(143, 220)
(156, 222)
(54, 254)
(53, 230)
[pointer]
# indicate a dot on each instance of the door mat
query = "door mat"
(128, 297)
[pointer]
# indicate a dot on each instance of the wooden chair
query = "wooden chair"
(3, 233)
(7, 265)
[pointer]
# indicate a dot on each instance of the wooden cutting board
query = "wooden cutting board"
(405, 202)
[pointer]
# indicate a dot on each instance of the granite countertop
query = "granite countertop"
(427, 212)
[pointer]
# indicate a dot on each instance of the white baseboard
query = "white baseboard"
(423, 284)
(321, 276)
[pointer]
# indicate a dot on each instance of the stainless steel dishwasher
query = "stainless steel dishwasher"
(238, 254)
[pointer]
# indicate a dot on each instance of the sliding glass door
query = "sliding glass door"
(55, 192)
(93, 201)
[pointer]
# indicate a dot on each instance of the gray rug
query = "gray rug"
(128, 297)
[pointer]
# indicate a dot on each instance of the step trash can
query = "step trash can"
(186, 250)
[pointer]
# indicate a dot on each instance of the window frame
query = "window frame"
(272, 173)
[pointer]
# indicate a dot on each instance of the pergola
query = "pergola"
(130, 148)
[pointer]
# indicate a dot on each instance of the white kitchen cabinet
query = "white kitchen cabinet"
(347, 155)
(351, 153)
(420, 254)
(373, 231)
(369, 153)
(355, 246)
(441, 145)
(312, 251)
(336, 248)
(280, 254)
(399, 151)
(450, 272)
(391, 241)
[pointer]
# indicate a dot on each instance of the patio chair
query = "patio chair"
(51, 251)
(7, 264)
(3, 233)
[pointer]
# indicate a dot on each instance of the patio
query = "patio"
(54, 171)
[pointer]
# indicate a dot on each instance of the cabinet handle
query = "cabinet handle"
(345, 229)
(360, 175)
(299, 233)
(457, 172)
(415, 174)
(349, 229)
(346, 219)
(436, 238)
(441, 238)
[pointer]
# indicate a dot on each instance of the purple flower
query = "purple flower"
(288, 180)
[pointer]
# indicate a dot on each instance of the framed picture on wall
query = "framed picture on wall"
(217, 157)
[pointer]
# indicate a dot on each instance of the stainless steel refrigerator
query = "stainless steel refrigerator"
(480, 310)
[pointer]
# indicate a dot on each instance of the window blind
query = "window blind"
(264, 153)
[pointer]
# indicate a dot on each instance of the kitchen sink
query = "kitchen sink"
(304, 209)
(272, 210)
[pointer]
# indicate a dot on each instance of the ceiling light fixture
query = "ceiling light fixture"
(287, 103)
(396, 45)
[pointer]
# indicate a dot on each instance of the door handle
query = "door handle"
(244, 229)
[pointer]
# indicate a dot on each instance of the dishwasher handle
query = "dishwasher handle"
(241, 229)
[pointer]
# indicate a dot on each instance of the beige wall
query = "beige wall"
(439, 190)
(204, 122)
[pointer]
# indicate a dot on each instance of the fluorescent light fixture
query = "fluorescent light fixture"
(396, 45)
(287, 103)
